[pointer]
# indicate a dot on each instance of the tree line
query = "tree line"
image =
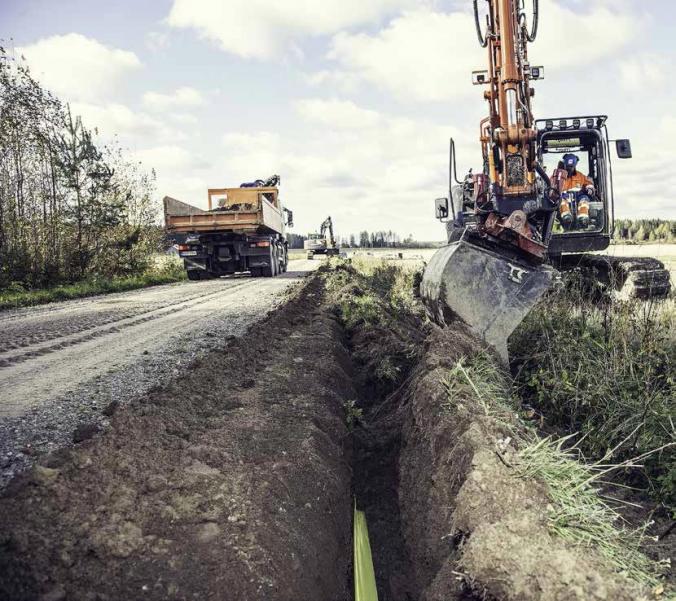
(70, 209)
(366, 239)
(645, 230)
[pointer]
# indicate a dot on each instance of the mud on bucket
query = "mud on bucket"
(490, 293)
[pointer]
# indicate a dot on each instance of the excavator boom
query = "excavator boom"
(493, 272)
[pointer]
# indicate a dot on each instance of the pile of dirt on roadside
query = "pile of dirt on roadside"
(474, 526)
(231, 483)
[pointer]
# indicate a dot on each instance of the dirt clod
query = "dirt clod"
(85, 432)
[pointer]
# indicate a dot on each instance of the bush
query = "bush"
(605, 372)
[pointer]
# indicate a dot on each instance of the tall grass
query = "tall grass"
(577, 511)
(608, 372)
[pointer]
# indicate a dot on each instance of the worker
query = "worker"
(585, 184)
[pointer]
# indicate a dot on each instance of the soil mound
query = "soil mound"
(231, 483)
(472, 524)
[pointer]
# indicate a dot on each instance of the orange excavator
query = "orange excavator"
(530, 209)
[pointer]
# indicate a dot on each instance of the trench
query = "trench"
(375, 484)
(239, 482)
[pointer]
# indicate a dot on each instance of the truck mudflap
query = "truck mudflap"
(490, 293)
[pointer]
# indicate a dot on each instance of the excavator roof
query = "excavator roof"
(566, 123)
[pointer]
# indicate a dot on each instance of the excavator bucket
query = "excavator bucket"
(490, 293)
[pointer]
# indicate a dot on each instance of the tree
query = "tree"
(68, 208)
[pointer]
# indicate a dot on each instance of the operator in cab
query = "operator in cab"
(585, 192)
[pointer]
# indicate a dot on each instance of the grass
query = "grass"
(374, 300)
(15, 298)
(607, 372)
(577, 511)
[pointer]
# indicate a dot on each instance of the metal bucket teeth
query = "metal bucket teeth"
(488, 292)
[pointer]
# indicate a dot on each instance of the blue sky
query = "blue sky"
(351, 102)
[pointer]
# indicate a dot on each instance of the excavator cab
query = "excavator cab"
(587, 224)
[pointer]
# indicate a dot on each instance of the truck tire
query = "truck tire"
(194, 275)
(269, 270)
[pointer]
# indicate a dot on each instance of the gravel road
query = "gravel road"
(64, 367)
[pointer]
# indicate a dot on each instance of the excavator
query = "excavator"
(320, 243)
(531, 210)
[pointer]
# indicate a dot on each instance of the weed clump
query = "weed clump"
(17, 296)
(607, 372)
(375, 302)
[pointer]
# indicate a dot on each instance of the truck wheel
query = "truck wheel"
(285, 265)
(194, 275)
(269, 270)
(255, 272)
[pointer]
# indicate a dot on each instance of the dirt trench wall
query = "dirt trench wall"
(232, 483)
(472, 526)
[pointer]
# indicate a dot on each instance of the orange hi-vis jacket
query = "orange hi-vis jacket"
(578, 180)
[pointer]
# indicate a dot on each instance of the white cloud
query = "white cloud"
(574, 37)
(423, 55)
(180, 98)
(169, 158)
(420, 55)
(337, 113)
(112, 119)
(264, 30)
(643, 71)
(79, 68)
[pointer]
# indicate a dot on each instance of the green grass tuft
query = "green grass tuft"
(578, 512)
(16, 297)
(607, 372)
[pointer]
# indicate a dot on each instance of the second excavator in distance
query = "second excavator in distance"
(322, 242)
(531, 208)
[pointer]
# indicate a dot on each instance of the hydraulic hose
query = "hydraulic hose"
(482, 40)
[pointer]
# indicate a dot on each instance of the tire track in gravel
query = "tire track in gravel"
(113, 326)
(32, 375)
(18, 335)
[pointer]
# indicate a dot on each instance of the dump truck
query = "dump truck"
(243, 230)
(322, 243)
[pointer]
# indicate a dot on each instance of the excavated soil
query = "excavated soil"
(237, 481)
(231, 483)
(472, 524)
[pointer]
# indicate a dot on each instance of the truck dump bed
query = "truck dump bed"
(236, 210)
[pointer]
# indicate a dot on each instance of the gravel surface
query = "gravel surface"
(65, 367)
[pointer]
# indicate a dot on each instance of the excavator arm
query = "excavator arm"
(492, 275)
(327, 225)
(514, 199)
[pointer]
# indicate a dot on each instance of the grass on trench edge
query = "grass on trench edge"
(579, 513)
(27, 298)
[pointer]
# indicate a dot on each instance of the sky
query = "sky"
(351, 102)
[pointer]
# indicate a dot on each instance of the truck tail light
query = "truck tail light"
(183, 247)
(263, 243)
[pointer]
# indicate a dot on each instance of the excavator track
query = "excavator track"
(623, 277)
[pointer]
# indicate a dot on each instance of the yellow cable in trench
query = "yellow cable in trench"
(364, 576)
